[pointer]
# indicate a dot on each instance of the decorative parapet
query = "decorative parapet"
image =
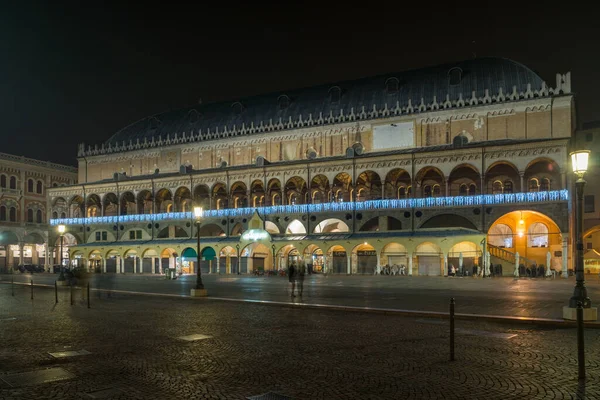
(563, 86)
(430, 202)
(37, 163)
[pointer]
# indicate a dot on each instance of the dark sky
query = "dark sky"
(78, 72)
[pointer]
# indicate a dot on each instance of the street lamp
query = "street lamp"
(61, 232)
(199, 291)
(237, 247)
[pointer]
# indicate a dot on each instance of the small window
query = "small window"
(55, 184)
(30, 185)
(54, 215)
(589, 203)
(13, 214)
(131, 235)
(589, 137)
(454, 76)
(153, 123)
(237, 108)
(436, 190)
(138, 234)
(545, 185)
(39, 187)
(283, 101)
(589, 245)
(13, 182)
(193, 116)
(497, 187)
(2, 213)
(30, 215)
(3, 181)
(463, 189)
(472, 189)
(427, 191)
(460, 141)
(508, 186)
(534, 185)
(98, 236)
(38, 216)
(335, 94)
(104, 235)
(63, 215)
(391, 85)
(401, 192)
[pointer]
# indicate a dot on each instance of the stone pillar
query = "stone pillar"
(349, 263)
(482, 188)
(50, 255)
(21, 248)
(153, 264)
(565, 259)
(410, 264)
(445, 265)
(563, 179)
(47, 257)
(218, 270)
(103, 264)
(447, 187)
(135, 264)
(378, 270)
(522, 176)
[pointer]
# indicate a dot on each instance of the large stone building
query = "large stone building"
(24, 183)
(424, 169)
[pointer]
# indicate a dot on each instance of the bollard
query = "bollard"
(32, 289)
(580, 342)
(12, 286)
(88, 294)
(452, 329)
(56, 292)
(71, 294)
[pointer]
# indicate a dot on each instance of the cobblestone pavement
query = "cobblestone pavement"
(254, 349)
(542, 298)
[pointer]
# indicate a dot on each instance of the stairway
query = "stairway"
(506, 258)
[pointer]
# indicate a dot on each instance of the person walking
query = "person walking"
(292, 277)
(300, 277)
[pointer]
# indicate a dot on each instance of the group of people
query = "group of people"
(393, 270)
(296, 272)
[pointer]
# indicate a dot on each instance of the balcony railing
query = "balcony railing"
(455, 201)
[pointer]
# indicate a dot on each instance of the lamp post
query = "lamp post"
(61, 232)
(237, 247)
(579, 161)
(199, 291)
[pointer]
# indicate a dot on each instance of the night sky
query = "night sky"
(73, 73)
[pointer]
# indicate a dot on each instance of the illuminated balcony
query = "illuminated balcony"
(372, 205)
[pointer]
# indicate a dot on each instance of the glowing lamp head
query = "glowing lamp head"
(520, 234)
(198, 212)
(62, 229)
(579, 161)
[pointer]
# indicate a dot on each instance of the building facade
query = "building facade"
(422, 169)
(24, 210)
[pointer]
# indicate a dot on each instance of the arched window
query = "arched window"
(391, 85)
(401, 192)
(13, 214)
(63, 215)
(463, 189)
(472, 189)
(30, 215)
(55, 184)
(538, 235)
(3, 181)
(436, 190)
(335, 94)
(534, 185)
(500, 235)
(54, 215)
(454, 76)
(30, 185)
(427, 191)
(545, 185)
(460, 141)
(39, 187)
(497, 187)
(283, 101)
(2, 213)
(38, 216)
(409, 191)
(237, 108)
(13, 182)
(508, 186)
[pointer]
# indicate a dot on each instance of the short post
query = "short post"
(32, 289)
(88, 294)
(12, 286)
(56, 292)
(452, 329)
(71, 294)
(580, 342)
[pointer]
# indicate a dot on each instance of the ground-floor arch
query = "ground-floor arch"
(256, 258)
(395, 258)
(314, 258)
(428, 260)
(466, 257)
(365, 258)
(338, 260)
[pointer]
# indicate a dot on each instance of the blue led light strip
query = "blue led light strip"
(455, 201)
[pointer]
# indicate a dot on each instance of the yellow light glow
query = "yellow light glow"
(579, 161)
(198, 212)
(62, 229)
(520, 234)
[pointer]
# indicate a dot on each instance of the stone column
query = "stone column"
(50, 254)
(21, 247)
(135, 264)
(445, 264)
(349, 263)
(410, 264)
(103, 264)
(47, 256)
(218, 270)
(153, 264)
(447, 187)
(565, 259)
(563, 179)
(522, 176)
(378, 263)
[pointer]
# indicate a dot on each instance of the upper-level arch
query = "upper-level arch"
(464, 180)
(331, 225)
(183, 199)
(295, 190)
(368, 186)
(320, 191)
(110, 204)
(398, 184)
(202, 197)
(164, 201)
(432, 181)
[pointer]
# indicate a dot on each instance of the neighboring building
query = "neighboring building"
(24, 184)
(415, 168)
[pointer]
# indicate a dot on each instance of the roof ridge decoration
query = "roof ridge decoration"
(335, 115)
